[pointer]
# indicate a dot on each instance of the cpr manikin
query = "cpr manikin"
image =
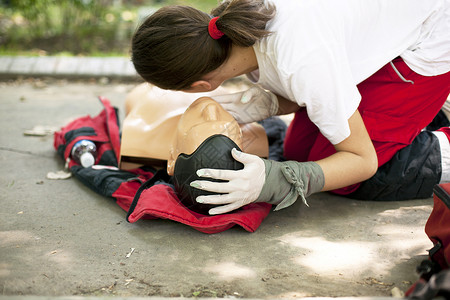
(151, 124)
(189, 132)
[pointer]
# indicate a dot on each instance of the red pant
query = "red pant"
(394, 112)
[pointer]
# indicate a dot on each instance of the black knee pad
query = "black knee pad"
(410, 174)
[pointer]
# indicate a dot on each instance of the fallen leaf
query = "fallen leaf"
(59, 175)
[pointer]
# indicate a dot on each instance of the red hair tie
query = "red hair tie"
(214, 32)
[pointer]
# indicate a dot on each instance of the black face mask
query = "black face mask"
(213, 153)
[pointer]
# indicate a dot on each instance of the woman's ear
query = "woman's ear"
(201, 85)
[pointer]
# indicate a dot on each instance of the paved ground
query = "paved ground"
(58, 238)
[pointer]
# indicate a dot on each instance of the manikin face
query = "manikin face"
(203, 118)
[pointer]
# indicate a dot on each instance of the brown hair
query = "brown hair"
(172, 48)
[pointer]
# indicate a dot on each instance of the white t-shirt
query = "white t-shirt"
(319, 50)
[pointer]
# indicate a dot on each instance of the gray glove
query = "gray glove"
(288, 180)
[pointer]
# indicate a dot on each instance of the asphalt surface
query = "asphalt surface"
(60, 239)
(67, 66)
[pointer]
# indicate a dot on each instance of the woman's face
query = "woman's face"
(203, 118)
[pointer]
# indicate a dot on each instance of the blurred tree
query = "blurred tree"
(77, 26)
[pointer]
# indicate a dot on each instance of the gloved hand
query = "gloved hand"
(260, 180)
(255, 104)
(288, 180)
(243, 186)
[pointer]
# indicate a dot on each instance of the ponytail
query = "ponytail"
(172, 48)
(244, 21)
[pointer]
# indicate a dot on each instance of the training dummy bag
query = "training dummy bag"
(435, 271)
(143, 192)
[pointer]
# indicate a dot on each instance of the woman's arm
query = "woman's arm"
(355, 160)
(286, 106)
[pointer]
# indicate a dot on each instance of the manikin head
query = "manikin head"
(205, 135)
(214, 153)
(202, 119)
